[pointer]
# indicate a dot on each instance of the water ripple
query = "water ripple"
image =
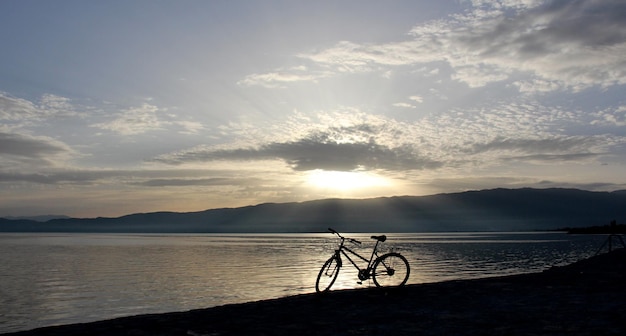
(48, 279)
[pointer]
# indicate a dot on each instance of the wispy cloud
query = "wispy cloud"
(414, 99)
(546, 145)
(546, 150)
(280, 77)
(135, 120)
(147, 118)
(417, 99)
(15, 109)
(405, 105)
(21, 112)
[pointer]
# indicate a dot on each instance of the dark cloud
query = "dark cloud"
(548, 28)
(589, 22)
(51, 178)
(309, 154)
(150, 178)
(218, 181)
(318, 152)
(555, 158)
(27, 153)
(27, 146)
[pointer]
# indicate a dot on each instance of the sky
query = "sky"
(116, 107)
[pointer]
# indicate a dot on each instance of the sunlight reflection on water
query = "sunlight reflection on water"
(48, 279)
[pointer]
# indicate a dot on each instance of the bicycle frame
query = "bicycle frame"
(388, 269)
(364, 273)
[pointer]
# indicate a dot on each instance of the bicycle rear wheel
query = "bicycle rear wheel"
(391, 269)
(328, 274)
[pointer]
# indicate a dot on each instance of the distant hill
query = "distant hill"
(41, 218)
(486, 210)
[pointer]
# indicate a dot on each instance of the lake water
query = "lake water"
(51, 279)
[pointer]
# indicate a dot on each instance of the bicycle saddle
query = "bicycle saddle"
(380, 238)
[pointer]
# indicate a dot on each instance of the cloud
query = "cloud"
(577, 43)
(278, 78)
(311, 154)
(12, 109)
(611, 117)
(543, 145)
(28, 146)
(417, 99)
(545, 150)
(585, 23)
(23, 112)
(541, 46)
(536, 85)
(148, 118)
(555, 158)
(347, 148)
(138, 177)
(134, 120)
(21, 150)
(189, 127)
(53, 105)
(48, 178)
(478, 75)
(180, 182)
(405, 105)
(352, 140)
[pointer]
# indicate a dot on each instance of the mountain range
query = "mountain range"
(485, 210)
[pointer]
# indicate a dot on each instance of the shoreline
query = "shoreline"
(584, 298)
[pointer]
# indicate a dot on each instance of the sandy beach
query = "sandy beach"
(585, 298)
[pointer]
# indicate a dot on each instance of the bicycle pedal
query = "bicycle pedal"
(359, 282)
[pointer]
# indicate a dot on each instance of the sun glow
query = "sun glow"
(345, 181)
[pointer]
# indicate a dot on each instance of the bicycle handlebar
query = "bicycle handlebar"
(342, 237)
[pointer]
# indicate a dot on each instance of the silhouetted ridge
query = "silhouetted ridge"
(486, 210)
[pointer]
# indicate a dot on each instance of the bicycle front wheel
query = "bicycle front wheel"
(391, 269)
(328, 274)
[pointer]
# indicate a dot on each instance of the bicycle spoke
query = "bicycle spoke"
(328, 274)
(391, 269)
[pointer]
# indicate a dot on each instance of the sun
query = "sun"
(345, 181)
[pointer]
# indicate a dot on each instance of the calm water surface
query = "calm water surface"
(50, 279)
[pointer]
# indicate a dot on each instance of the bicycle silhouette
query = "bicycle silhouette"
(390, 269)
